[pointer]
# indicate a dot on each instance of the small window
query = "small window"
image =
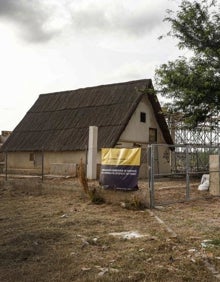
(143, 117)
(31, 157)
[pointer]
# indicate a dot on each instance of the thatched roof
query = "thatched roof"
(60, 121)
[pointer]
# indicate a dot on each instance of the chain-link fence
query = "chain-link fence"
(175, 172)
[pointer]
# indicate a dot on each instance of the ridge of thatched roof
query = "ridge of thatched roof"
(60, 121)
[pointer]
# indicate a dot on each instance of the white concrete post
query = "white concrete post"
(214, 179)
(92, 152)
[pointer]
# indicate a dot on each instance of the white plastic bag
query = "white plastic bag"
(204, 186)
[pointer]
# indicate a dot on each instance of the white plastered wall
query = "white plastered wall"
(21, 160)
(138, 132)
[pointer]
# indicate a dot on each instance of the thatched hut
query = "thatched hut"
(127, 114)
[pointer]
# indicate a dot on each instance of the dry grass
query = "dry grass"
(92, 193)
(53, 232)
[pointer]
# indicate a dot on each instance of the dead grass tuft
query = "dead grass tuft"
(82, 177)
(94, 195)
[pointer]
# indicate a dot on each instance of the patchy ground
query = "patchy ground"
(53, 232)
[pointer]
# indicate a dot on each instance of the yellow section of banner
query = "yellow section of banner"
(120, 156)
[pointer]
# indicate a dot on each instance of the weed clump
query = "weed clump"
(93, 194)
(135, 203)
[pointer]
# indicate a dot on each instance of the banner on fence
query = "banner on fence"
(120, 168)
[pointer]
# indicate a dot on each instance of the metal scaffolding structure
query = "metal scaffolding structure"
(200, 142)
(207, 133)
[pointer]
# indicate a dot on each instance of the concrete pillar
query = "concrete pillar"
(92, 152)
(214, 178)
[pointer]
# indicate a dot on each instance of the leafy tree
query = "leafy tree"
(193, 84)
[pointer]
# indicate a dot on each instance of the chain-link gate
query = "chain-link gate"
(175, 172)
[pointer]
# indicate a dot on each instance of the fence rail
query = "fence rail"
(174, 171)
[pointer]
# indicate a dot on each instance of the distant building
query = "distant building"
(3, 137)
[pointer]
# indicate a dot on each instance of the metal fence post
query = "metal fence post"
(6, 165)
(151, 175)
(42, 165)
(187, 174)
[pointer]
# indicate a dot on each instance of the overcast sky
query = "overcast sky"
(56, 45)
